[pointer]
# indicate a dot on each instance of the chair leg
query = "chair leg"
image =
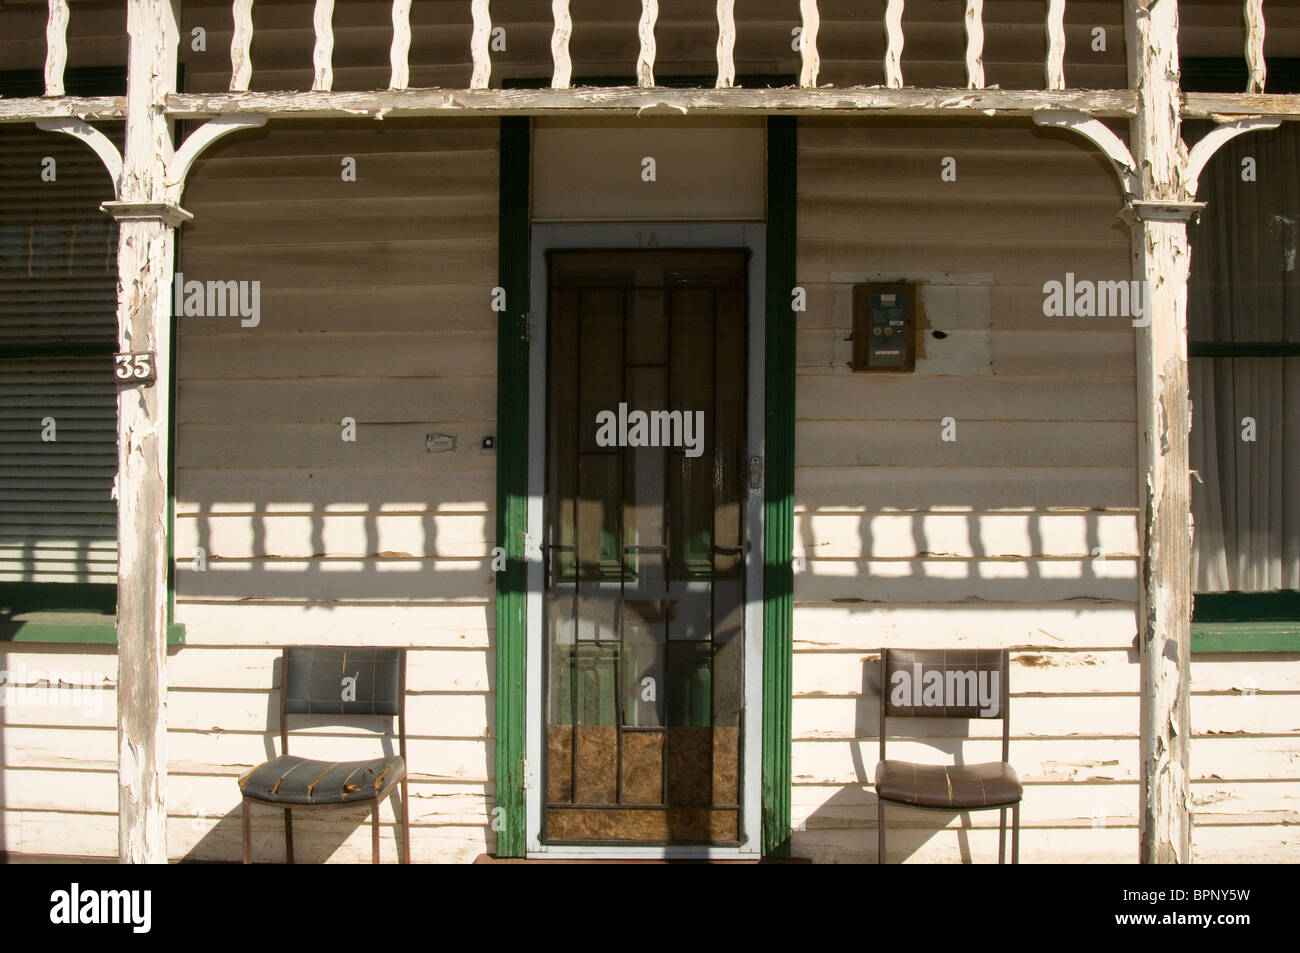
(374, 833)
(880, 831)
(1015, 834)
(1002, 836)
(245, 810)
(406, 825)
(288, 836)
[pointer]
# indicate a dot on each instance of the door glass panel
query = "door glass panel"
(645, 547)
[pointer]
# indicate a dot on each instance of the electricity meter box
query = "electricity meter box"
(884, 327)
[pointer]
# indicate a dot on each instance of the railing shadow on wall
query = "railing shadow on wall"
(452, 573)
(941, 576)
(308, 582)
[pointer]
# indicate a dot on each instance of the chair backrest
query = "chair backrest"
(345, 681)
(945, 683)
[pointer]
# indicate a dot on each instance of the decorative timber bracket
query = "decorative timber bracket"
(199, 140)
(1100, 135)
(103, 146)
(1200, 154)
(178, 169)
(1121, 160)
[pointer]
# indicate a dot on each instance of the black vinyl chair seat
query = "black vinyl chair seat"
(292, 780)
(955, 786)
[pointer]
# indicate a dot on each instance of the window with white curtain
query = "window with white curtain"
(1244, 343)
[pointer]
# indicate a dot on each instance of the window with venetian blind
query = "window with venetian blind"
(58, 279)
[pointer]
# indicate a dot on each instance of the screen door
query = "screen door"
(644, 547)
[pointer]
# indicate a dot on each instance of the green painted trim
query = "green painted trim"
(1246, 621)
(778, 501)
(1277, 605)
(72, 628)
(174, 339)
(20, 597)
(64, 612)
(180, 130)
(1270, 636)
(512, 485)
(1243, 349)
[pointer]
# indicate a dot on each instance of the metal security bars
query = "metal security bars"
(645, 548)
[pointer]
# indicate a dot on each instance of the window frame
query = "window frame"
(80, 613)
(1237, 621)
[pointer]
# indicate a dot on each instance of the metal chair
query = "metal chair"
(907, 690)
(344, 682)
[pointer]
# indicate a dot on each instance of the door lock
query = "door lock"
(755, 472)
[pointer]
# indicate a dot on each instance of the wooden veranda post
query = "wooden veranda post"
(147, 216)
(1159, 219)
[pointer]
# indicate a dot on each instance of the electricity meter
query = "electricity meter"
(884, 327)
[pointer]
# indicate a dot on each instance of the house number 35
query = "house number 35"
(134, 367)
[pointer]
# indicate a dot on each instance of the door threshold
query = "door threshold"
(646, 854)
(542, 859)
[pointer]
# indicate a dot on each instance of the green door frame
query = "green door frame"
(778, 485)
(508, 818)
